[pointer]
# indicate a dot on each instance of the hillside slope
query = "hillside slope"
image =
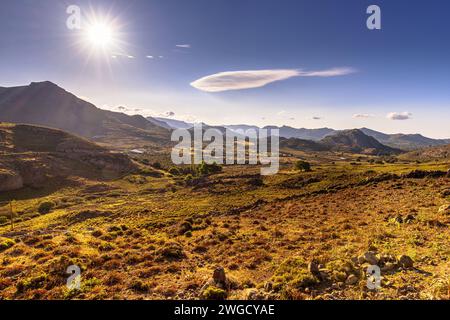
(32, 156)
(404, 141)
(357, 142)
(46, 104)
(428, 154)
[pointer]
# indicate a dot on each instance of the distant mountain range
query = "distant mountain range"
(405, 141)
(352, 141)
(172, 123)
(46, 104)
(397, 141)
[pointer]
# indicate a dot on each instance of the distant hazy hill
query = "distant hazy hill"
(243, 127)
(353, 141)
(159, 122)
(427, 154)
(174, 124)
(302, 145)
(356, 141)
(404, 141)
(46, 104)
(302, 133)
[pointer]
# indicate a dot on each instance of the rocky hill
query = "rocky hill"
(357, 142)
(32, 155)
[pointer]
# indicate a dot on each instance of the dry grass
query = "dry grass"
(153, 237)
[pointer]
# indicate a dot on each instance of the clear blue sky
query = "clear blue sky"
(402, 70)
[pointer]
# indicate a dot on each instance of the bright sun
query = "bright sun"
(100, 35)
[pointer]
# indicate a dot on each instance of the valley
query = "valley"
(140, 227)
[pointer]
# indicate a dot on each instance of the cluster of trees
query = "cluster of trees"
(202, 169)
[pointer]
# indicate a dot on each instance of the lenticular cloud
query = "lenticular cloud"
(238, 80)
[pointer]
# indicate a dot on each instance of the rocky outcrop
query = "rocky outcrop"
(36, 154)
(10, 180)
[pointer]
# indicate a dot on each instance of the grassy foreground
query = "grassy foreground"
(295, 235)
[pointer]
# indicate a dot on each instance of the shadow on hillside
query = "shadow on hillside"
(28, 193)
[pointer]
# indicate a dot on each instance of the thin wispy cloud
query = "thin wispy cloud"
(184, 46)
(362, 116)
(317, 118)
(239, 80)
(399, 115)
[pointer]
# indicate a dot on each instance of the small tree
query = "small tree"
(205, 169)
(45, 207)
(302, 166)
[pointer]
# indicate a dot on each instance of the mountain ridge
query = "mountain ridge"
(46, 104)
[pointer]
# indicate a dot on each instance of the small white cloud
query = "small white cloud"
(399, 115)
(161, 57)
(317, 118)
(150, 57)
(280, 113)
(130, 57)
(185, 46)
(362, 115)
(168, 114)
(238, 80)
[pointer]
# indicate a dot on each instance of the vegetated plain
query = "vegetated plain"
(141, 228)
(161, 232)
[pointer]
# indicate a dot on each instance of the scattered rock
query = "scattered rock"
(254, 294)
(313, 267)
(405, 261)
(351, 280)
(389, 266)
(219, 277)
(361, 259)
(370, 257)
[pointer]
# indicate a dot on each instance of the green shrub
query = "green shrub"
(139, 286)
(6, 244)
(45, 207)
(174, 171)
(3, 219)
(294, 273)
(302, 166)
(157, 165)
(31, 283)
(205, 169)
(214, 293)
(171, 251)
